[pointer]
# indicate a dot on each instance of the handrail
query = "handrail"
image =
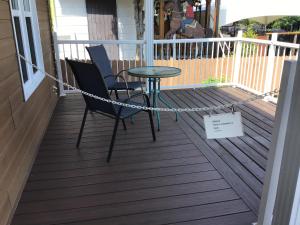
(101, 42)
(182, 41)
(268, 42)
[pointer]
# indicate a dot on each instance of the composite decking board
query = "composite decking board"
(172, 215)
(65, 161)
(238, 142)
(252, 110)
(262, 107)
(234, 157)
(249, 127)
(109, 198)
(120, 182)
(159, 210)
(218, 159)
(254, 144)
(165, 174)
(232, 219)
(250, 143)
(92, 163)
(165, 182)
(130, 184)
(251, 115)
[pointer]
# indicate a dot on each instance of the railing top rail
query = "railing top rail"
(268, 42)
(195, 40)
(98, 42)
(182, 41)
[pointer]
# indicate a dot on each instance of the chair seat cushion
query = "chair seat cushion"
(122, 85)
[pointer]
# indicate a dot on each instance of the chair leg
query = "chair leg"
(152, 125)
(124, 124)
(116, 93)
(82, 126)
(112, 142)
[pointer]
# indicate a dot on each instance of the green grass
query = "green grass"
(213, 80)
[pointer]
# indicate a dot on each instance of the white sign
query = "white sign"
(223, 125)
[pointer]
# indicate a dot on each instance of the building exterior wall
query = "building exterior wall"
(71, 21)
(22, 124)
(126, 27)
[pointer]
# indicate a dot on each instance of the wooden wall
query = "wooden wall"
(22, 124)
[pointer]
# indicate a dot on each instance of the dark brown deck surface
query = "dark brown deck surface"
(182, 178)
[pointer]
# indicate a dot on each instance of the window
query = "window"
(28, 43)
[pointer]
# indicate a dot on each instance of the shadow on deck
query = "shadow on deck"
(183, 178)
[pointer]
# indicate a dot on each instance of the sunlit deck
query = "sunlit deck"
(182, 178)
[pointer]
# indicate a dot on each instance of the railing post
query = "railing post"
(238, 55)
(58, 65)
(174, 47)
(270, 64)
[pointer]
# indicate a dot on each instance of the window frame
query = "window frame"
(34, 77)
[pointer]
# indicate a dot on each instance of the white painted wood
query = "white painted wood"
(295, 215)
(126, 27)
(22, 12)
(277, 147)
(270, 65)
(289, 171)
(237, 62)
(149, 31)
(58, 65)
(71, 19)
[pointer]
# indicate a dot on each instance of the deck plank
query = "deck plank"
(182, 178)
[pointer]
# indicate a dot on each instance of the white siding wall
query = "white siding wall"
(71, 19)
(126, 27)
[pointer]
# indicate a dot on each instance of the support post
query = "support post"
(216, 17)
(282, 132)
(207, 14)
(58, 65)
(237, 61)
(149, 32)
(270, 64)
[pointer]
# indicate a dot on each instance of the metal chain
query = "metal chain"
(211, 108)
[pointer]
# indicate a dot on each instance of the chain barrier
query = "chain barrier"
(209, 109)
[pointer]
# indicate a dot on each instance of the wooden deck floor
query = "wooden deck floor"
(182, 178)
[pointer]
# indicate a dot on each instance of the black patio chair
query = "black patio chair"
(89, 79)
(99, 57)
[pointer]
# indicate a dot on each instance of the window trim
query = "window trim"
(34, 78)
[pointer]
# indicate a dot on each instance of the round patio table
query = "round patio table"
(154, 74)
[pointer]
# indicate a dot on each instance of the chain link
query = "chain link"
(211, 108)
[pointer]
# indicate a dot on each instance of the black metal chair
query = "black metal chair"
(89, 79)
(99, 57)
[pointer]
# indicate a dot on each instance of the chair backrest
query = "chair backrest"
(90, 80)
(99, 57)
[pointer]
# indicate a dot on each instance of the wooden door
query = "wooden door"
(102, 22)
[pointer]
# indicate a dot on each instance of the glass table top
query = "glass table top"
(154, 71)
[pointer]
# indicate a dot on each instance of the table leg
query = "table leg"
(165, 102)
(155, 99)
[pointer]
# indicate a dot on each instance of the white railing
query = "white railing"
(252, 64)
(123, 54)
(207, 61)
